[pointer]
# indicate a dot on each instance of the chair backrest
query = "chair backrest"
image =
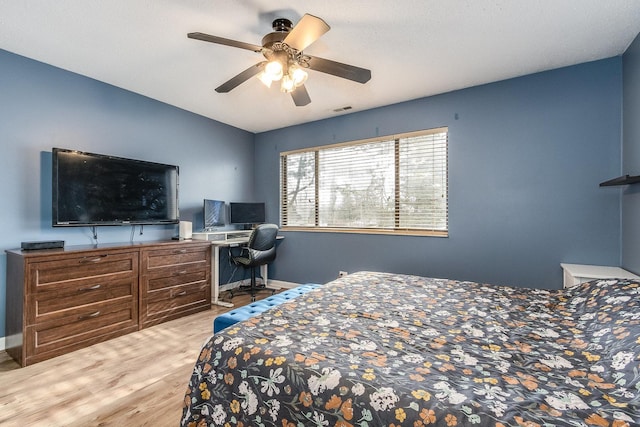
(263, 237)
(262, 245)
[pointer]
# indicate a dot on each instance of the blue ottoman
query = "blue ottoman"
(243, 313)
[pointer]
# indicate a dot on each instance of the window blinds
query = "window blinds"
(389, 184)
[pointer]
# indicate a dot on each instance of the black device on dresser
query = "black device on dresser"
(43, 244)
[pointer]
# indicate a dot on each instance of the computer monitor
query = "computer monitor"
(246, 213)
(213, 214)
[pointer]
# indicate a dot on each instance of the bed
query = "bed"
(381, 349)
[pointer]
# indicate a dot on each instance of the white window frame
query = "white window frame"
(313, 211)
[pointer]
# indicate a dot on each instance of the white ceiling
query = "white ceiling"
(414, 48)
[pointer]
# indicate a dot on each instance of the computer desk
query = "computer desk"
(215, 267)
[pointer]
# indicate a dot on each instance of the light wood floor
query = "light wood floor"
(135, 380)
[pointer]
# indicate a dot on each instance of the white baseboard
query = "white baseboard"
(282, 284)
(2, 345)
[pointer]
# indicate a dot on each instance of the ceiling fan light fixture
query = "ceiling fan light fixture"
(265, 79)
(298, 75)
(273, 70)
(287, 85)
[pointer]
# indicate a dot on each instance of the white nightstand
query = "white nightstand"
(574, 274)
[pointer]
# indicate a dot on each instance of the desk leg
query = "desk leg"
(215, 278)
(263, 273)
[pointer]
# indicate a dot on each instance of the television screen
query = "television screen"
(213, 214)
(246, 213)
(94, 189)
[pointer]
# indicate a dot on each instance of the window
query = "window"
(395, 185)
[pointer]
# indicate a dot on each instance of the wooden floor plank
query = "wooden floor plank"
(137, 380)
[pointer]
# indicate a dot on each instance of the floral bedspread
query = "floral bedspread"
(380, 349)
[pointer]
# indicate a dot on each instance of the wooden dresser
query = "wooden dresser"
(60, 300)
(174, 282)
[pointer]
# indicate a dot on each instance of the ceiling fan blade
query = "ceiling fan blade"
(338, 69)
(300, 96)
(241, 78)
(309, 29)
(226, 42)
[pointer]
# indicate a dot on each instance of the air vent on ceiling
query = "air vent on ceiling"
(339, 110)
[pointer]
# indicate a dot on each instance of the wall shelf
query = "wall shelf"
(621, 180)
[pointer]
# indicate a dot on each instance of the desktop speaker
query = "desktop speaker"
(185, 230)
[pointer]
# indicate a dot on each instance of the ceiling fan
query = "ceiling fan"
(285, 60)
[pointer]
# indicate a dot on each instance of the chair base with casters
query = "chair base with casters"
(251, 288)
(260, 250)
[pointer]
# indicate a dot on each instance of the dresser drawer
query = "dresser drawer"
(171, 303)
(80, 327)
(158, 258)
(179, 295)
(52, 302)
(47, 275)
(176, 275)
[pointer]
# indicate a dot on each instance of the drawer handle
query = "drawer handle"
(92, 260)
(89, 316)
(91, 288)
(183, 272)
(181, 251)
(180, 294)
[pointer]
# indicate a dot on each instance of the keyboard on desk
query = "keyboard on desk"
(236, 242)
(223, 236)
(238, 235)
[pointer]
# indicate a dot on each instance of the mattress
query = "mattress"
(382, 349)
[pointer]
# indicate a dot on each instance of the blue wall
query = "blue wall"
(525, 159)
(43, 107)
(631, 158)
(526, 156)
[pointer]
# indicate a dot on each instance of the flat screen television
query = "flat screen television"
(92, 189)
(246, 213)
(213, 214)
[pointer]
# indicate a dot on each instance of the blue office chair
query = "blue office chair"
(260, 250)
